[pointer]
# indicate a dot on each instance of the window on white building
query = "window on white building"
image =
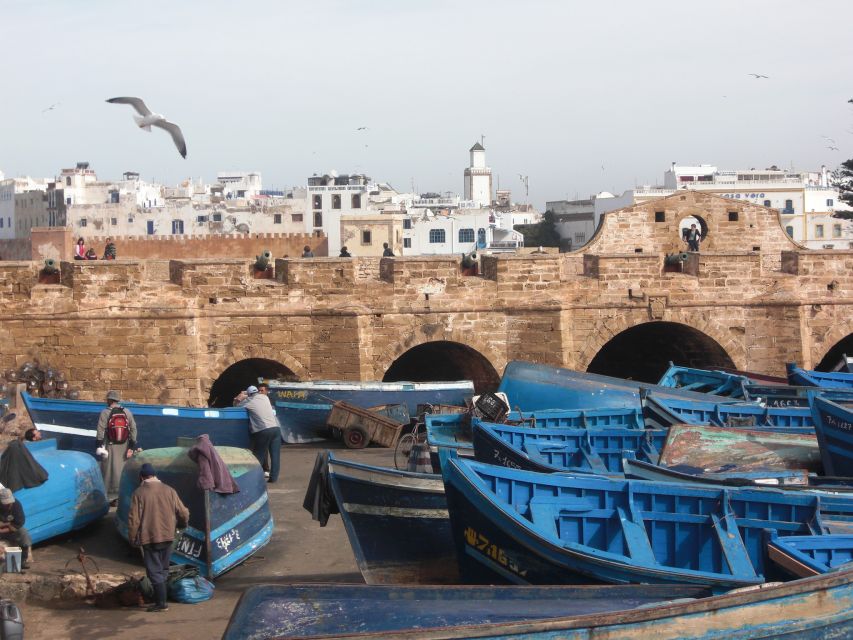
(217, 217)
(407, 243)
(767, 203)
(296, 217)
(318, 219)
(276, 218)
(407, 223)
(82, 222)
(466, 236)
(789, 230)
(67, 200)
(366, 237)
(356, 201)
(830, 202)
(789, 206)
(336, 201)
(318, 201)
(836, 231)
(818, 231)
(177, 227)
(436, 236)
(113, 221)
(201, 219)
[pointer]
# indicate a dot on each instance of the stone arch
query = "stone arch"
(835, 343)
(240, 367)
(727, 350)
(429, 334)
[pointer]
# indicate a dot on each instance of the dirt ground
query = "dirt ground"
(300, 551)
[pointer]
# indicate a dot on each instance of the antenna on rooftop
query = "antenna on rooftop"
(526, 181)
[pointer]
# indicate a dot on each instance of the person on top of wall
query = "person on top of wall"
(693, 237)
(387, 253)
(80, 250)
(110, 250)
(307, 253)
(91, 255)
(344, 253)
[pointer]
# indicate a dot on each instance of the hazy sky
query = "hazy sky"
(579, 96)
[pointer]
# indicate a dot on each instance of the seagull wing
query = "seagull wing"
(136, 103)
(174, 131)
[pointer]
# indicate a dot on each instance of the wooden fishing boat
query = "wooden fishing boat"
(793, 396)
(73, 423)
(662, 412)
(643, 470)
(304, 406)
(834, 427)
(814, 608)
(533, 528)
(396, 522)
(720, 383)
(702, 449)
(804, 556)
(532, 387)
(223, 530)
(598, 451)
(72, 497)
(828, 380)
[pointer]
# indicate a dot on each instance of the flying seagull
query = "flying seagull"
(146, 119)
(828, 138)
(51, 107)
(758, 75)
(362, 129)
(833, 148)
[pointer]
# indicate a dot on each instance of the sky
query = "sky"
(579, 97)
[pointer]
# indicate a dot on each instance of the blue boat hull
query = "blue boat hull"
(73, 423)
(239, 524)
(804, 556)
(523, 527)
(303, 407)
(599, 451)
(72, 497)
(819, 608)
(532, 387)
(831, 380)
(834, 427)
(396, 522)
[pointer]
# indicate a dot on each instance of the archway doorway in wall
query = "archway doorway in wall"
(644, 352)
(240, 375)
(444, 361)
(833, 356)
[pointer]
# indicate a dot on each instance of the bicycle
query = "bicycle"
(416, 436)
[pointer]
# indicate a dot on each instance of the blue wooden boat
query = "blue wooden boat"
(793, 396)
(644, 470)
(816, 608)
(719, 383)
(834, 427)
(447, 432)
(223, 530)
(73, 423)
(828, 380)
(804, 556)
(532, 387)
(72, 497)
(662, 412)
(598, 451)
(533, 528)
(285, 611)
(303, 406)
(396, 522)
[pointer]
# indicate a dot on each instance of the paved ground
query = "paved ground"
(300, 551)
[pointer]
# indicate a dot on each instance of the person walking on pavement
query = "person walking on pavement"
(115, 441)
(264, 431)
(155, 513)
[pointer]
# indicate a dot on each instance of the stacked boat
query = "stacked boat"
(712, 480)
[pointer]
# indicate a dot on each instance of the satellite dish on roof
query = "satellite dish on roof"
(333, 173)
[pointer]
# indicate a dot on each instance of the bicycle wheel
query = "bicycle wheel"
(402, 451)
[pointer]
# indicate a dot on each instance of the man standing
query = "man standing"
(115, 441)
(307, 253)
(693, 237)
(387, 253)
(263, 428)
(155, 513)
(12, 521)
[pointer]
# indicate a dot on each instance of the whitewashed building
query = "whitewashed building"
(478, 177)
(240, 184)
(10, 189)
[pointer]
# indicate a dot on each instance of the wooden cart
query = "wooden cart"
(359, 427)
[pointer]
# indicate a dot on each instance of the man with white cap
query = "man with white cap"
(264, 431)
(115, 441)
(12, 521)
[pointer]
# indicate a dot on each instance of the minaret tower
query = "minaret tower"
(478, 177)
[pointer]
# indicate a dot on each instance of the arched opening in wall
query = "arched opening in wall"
(644, 352)
(444, 361)
(834, 355)
(684, 228)
(240, 375)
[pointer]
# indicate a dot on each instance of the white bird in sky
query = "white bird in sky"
(362, 128)
(832, 148)
(757, 75)
(51, 107)
(146, 120)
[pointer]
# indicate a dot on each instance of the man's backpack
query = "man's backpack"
(117, 430)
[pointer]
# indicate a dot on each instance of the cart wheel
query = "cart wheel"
(356, 437)
(403, 450)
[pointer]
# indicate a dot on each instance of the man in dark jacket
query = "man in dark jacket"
(387, 252)
(155, 513)
(12, 519)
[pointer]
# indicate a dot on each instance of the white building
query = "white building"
(240, 184)
(9, 188)
(478, 177)
(805, 200)
(464, 231)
